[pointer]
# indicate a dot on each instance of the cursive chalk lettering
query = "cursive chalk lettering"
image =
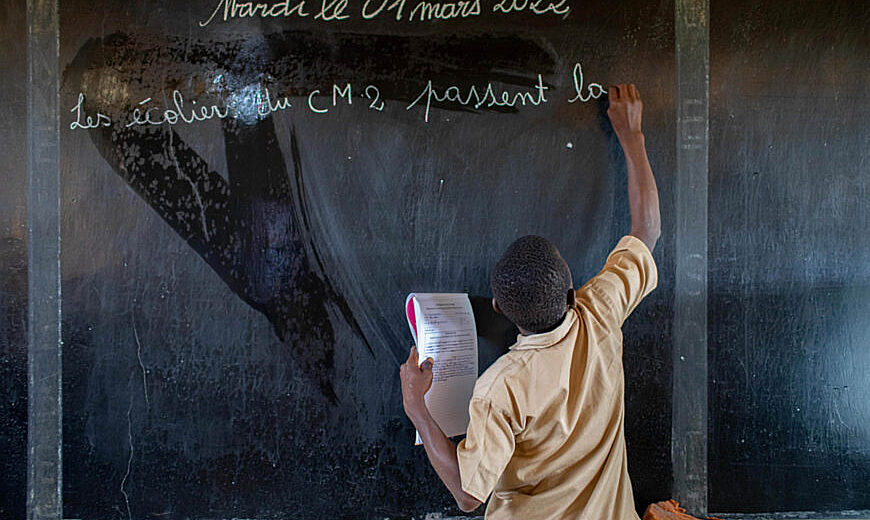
(332, 10)
(397, 5)
(143, 118)
(89, 121)
(155, 116)
(232, 9)
(475, 99)
(265, 106)
(434, 11)
(255, 101)
(535, 6)
(593, 90)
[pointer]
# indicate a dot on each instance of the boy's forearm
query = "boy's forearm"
(442, 455)
(643, 194)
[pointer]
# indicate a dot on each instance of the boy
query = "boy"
(546, 435)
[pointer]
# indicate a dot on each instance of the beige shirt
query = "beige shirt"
(546, 435)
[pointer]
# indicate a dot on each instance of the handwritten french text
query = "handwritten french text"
(284, 8)
(476, 99)
(89, 122)
(593, 90)
(257, 102)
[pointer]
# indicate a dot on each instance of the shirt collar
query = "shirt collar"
(547, 339)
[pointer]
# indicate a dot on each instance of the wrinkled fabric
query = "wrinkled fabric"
(546, 436)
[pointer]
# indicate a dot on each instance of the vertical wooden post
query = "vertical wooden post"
(43, 259)
(689, 426)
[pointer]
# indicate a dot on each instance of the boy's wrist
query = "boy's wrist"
(417, 412)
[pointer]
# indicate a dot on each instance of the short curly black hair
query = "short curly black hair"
(530, 284)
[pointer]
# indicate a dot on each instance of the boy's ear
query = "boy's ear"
(572, 298)
(495, 306)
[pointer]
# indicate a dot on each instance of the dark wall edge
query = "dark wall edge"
(689, 420)
(43, 268)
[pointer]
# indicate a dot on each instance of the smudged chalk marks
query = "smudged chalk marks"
(253, 228)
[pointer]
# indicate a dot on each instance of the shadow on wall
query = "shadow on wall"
(253, 228)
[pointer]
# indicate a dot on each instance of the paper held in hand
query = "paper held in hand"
(443, 328)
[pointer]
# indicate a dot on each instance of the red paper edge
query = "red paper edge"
(412, 318)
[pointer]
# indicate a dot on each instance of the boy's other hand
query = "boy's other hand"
(416, 381)
(625, 112)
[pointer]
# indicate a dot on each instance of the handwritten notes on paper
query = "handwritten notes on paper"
(443, 328)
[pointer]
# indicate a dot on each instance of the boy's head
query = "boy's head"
(532, 285)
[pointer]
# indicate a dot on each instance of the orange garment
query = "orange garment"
(669, 510)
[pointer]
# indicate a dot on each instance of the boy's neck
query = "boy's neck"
(525, 332)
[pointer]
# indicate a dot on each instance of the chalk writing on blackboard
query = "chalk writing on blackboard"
(593, 90)
(535, 6)
(422, 11)
(144, 114)
(88, 121)
(257, 102)
(233, 9)
(475, 99)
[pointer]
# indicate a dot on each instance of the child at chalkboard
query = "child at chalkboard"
(546, 432)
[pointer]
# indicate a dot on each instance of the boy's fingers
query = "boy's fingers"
(613, 92)
(412, 356)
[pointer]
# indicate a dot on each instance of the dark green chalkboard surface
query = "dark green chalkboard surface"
(249, 191)
(247, 200)
(789, 263)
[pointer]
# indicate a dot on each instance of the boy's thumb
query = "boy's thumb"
(428, 364)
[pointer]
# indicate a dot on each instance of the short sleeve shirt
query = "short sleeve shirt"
(546, 434)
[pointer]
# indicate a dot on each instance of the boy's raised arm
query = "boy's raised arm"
(625, 113)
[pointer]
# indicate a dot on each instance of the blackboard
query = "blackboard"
(789, 297)
(233, 284)
(234, 268)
